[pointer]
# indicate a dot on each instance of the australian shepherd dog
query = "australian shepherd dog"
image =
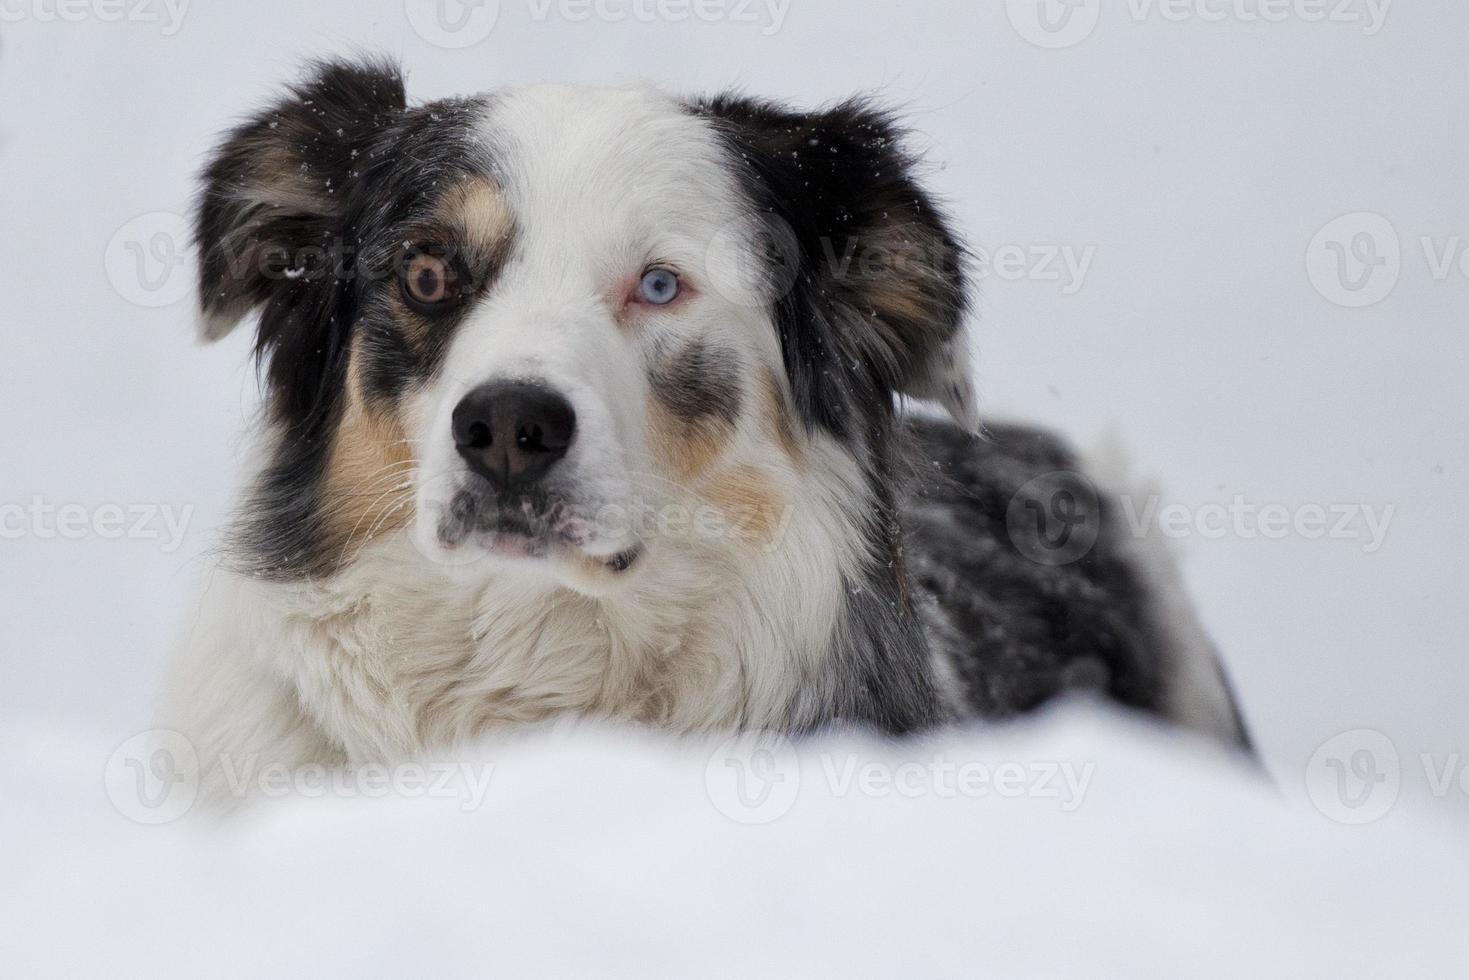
(612, 404)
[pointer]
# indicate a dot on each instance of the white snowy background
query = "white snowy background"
(1194, 160)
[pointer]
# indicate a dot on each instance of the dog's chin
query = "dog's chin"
(595, 573)
(481, 556)
(563, 563)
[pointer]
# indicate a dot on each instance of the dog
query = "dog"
(609, 404)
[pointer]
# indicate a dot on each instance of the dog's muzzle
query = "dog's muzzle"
(513, 437)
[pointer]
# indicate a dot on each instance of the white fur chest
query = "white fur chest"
(390, 660)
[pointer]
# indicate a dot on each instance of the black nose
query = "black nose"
(511, 432)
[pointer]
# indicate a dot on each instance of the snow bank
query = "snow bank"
(1081, 845)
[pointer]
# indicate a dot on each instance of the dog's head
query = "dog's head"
(528, 326)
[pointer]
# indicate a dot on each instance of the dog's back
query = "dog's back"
(1033, 583)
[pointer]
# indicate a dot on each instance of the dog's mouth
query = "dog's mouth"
(530, 528)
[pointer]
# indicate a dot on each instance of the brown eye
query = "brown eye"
(430, 282)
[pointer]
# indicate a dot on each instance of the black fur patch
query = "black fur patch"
(303, 214)
(877, 283)
(1027, 612)
(867, 285)
(698, 382)
(533, 516)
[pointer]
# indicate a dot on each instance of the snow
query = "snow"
(609, 853)
(1199, 160)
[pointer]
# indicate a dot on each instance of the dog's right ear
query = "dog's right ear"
(275, 189)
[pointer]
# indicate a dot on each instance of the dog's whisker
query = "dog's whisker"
(403, 501)
(386, 515)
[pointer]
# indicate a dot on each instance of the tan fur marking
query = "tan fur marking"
(777, 414)
(687, 449)
(897, 278)
(749, 500)
(416, 329)
(903, 302)
(276, 179)
(476, 211)
(367, 490)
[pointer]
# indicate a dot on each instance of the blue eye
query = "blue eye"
(658, 287)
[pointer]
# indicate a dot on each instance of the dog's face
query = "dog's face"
(606, 354)
(565, 329)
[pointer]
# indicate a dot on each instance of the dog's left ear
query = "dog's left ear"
(877, 302)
